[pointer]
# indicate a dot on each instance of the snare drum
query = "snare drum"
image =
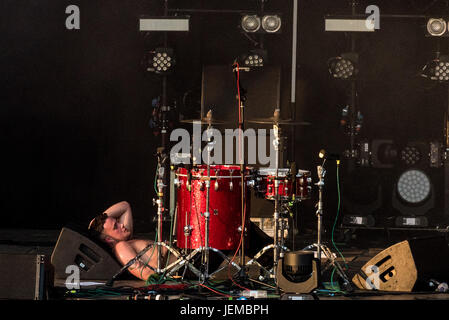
(265, 184)
(225, 207)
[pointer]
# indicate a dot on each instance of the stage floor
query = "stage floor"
(26, 241)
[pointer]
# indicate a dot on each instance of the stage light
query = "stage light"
(268, 23)
(164, 24)
(384, 153)
(411, 155)
(271, 23)
(347, 24)
(413, 197)
(436, 26)
(161, 61)
(250, 23)
(362, 196)
(253, 59)
(344, 67)
(413, 186)
(437, 69)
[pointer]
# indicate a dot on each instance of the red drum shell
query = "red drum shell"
(303, 185)
(266, 186)
(224, 206)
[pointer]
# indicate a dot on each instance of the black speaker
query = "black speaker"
(24, 276)
(92, 259)
(219, 91)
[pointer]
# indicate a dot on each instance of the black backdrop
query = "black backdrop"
(75, 104)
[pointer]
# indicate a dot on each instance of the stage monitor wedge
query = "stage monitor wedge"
(406, 266)
(75, 249)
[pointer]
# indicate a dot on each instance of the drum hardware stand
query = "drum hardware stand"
(170, 268)
(322, 248)
(204, 274)
(278, 243)
(276, 252)
(241, 110)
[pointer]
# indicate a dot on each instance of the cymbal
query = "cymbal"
(204, 121)
(273, 120)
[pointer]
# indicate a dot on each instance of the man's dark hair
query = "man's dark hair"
(96, 227)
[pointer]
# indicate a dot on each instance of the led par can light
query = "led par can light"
(343, 67)
(161, 61)
(253, 59)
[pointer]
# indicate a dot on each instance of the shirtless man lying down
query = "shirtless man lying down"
(115, 227)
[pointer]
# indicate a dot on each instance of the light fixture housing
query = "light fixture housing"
(269, 23)
(437, 69)
(436, 27)
(161, 61)
(344, 67)
(164, 24)
(413, 197)
(256, 58)
(250, 23)
(413, 186)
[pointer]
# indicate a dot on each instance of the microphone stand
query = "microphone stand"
(321, 248)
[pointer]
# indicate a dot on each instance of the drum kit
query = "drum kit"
(212, 205)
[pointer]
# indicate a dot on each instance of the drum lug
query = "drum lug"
(188, 230)
(215, 212)
(177, 182)
(216, 185)
(231, 186)
(239, 229)
(202, 186)
(251, 183)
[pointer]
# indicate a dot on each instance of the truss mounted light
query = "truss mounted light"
(437, 69)
(164, 24)
(436, 27)
(250, 23)
(344, 23)
(344, 67)
(253, 59)
(160, 61)
(267, 23)
(271, 23)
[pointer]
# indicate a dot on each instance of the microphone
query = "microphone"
(323, 154)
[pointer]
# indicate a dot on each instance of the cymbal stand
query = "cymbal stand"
(278, 242)
(205, 255)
